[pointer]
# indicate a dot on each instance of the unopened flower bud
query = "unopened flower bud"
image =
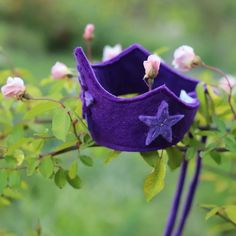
(60, 71)
(89, 32)
(13, 88)
(185, 58)
(152, 66)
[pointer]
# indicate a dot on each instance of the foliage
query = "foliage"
(36, 135)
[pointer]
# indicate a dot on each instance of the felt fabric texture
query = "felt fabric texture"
(114, 121)
(160, 124)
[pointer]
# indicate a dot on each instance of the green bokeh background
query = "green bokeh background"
(36, 34)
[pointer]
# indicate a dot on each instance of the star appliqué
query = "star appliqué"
(160, 124)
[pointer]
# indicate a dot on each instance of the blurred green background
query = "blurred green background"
(36, 34)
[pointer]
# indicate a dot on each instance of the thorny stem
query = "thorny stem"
(61, 151)
(222, 73)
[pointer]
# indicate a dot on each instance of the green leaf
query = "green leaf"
(219, 124)
(150, 157)
(16, 134)
(175, 157)
(230, 211)
(230, 143)
(19, 156)
(201, 96)
(14, 179)
(191, 153)
(88, 161)
(12, 193)
(40, 109)
(3, 180)
(32, 164)
(60, 124)
(18, 144)
(75, 182)
(60, 178)
(4, 201)
(216, 157)
(86, 138)
(111, 156)
(46, 167)
(35, 146)
(211, 213)
(154, 182)
(73, 170)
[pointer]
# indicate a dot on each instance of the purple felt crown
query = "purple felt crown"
(152, 120)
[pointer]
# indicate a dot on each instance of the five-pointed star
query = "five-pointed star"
(160, 124)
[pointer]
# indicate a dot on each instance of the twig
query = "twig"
(219, 149)
(222, 73)
(58, 152)
(89, 50)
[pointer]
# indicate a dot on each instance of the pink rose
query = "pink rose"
(223, 83)
(110, 52)
(59, 71)
(13, 88)
(184, 58)
(152, 66)
(88, 32)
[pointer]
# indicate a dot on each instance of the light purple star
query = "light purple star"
(160, 124)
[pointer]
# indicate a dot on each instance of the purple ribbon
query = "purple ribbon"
(176, 201)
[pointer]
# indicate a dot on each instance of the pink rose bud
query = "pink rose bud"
(223, 83)
(185, 58)
(59, 71)
(88, 32)
(110, 52)
(152, 66)
(14, 87)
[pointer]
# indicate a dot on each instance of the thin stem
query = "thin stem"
(191, 193)
(222, 73)
(176, 201)
(58, 152)
(219, 149)
(89, 50)
(148, 82)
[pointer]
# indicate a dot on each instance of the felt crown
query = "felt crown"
(152, 120)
